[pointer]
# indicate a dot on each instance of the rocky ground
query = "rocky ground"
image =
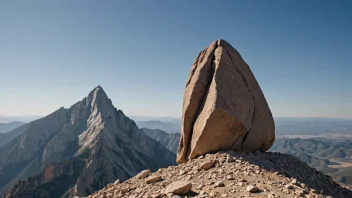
(230, 174)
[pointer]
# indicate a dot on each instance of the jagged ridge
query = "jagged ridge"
(113, 145)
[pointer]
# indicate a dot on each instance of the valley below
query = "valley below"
(324, 144)
(329, 151)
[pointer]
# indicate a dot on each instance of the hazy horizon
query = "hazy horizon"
(52, 54)
(29, 118)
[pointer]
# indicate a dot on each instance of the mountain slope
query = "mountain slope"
(167, 126)
(230, 174)
(11, 135)
(332, 156)
(5, 127)
(169, 140)
(113, 146)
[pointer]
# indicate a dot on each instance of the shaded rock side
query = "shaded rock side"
(223, 106)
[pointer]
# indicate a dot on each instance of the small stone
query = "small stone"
(182, 172)
(252, 189)
(300, 192)
(201, 157)
(294, 181)
(156, 195)
(224, 195)
(212, 194)
(175, 196)
(143, 174)
(179, 187)
(110, 185)
(288, 186)
(303, 185)
(240, 183)
(219, 184)
(208, 165)
(116, 192)
(153, 179)
(200, 186)
(124, 190)
(117, 182)
(210, 183)
(229, 177)
(229, 158)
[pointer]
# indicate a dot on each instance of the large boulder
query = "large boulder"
(223, 106)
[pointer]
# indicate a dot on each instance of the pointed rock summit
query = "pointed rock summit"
(77, 151)
(223, 106)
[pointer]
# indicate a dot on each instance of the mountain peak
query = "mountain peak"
(98, 92)
(98, 95)
(100, 103)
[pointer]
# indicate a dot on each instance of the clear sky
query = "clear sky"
(53, 53)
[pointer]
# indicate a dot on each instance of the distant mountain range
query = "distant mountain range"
(167, 126)
(283, 126)
(331, 156)
(6, 127)
(8, 119)
(169, 140)
(76, 151)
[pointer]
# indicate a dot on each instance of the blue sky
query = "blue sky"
(52, 53)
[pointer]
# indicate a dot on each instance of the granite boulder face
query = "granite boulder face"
(223, 106)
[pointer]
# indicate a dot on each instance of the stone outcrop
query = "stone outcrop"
(246, 175)
(223, 106)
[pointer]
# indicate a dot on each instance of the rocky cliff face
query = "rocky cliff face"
(113, 146)
(223, 106)
(230, 174)
(54, 180)
(169, 140)
(12, 134)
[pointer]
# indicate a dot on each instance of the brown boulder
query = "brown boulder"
(223, 106)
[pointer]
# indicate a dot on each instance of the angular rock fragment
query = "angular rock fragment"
(179, 187)
(143, 174)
